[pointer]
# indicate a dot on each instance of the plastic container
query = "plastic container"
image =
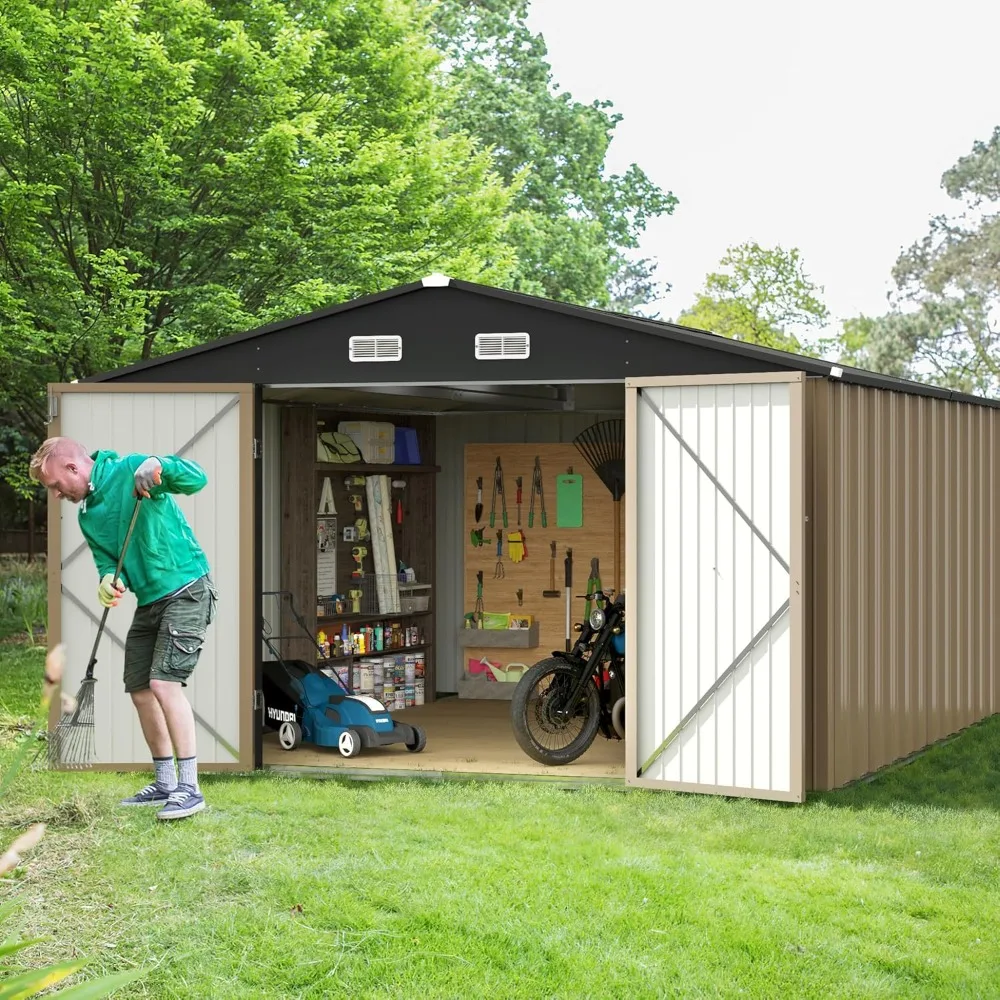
(375, 439)
(405, 446)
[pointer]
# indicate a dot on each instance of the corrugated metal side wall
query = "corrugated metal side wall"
(904, 564)
(454, 432)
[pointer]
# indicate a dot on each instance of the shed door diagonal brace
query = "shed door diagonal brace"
(121, 645)
(765, 629)
(180, 452)
(715, 482)
(714, 687)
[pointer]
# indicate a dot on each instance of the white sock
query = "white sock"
(166, 773)
(188, 771)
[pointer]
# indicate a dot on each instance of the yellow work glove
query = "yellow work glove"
(515, 546)
(108, 592)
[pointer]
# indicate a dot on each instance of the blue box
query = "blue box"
(407, 450)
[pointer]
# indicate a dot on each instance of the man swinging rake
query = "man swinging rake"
(168, 572)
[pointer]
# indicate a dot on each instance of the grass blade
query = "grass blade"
(99, 987)
(14, 946)
(29, 983)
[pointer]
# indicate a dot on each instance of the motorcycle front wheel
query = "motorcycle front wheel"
(540, 728)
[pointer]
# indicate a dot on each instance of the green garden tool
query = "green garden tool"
(593, 584)
(480, 611)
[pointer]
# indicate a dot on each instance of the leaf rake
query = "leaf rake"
(72, 743)
(603, 446)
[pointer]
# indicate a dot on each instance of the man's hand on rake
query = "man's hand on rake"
(147, 476)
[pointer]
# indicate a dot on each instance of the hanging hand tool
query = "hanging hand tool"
(520, 596)
(399, 484)
(569, 596)
(593, 584)
(477, 537)
(479, 499)
(536, 487)
(518, 481)
(479, 612)
(358, 552)
(499, 571)
(498, 488)
(551, 592)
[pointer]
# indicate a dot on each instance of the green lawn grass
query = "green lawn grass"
(299, 887)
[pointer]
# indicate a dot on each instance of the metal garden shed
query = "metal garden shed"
(809, 550)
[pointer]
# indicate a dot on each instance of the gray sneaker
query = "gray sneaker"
(151, 795)
(183, 801)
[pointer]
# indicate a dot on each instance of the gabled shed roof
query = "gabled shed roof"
(437, 319)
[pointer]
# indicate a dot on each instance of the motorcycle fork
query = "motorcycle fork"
(588, 671)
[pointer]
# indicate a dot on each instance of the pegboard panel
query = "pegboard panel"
(595, 538)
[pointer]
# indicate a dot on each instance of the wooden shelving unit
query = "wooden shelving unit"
(379, 652)
(302, 482)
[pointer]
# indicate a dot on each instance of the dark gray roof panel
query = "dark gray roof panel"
(438, 327)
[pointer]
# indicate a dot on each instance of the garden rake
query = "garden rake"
(72, 743)
(603, 446)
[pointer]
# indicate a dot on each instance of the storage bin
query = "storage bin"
(376, 439)
(408, 603)
(406, 447)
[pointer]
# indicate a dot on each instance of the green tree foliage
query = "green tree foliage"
(943, 325)
(175, 170)
(575, 229)
(760, 295)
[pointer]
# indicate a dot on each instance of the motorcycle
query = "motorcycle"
(561, 702)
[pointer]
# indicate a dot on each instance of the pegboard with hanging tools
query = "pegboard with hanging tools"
(533, 514)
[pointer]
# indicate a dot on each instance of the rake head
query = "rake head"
(603, 446)
(72, 743)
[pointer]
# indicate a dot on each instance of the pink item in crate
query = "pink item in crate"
(483, 666)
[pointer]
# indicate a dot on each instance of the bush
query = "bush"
(23, 598)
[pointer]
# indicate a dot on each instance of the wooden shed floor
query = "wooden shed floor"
(465, 737)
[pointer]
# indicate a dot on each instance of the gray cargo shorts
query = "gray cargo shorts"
(166, 637)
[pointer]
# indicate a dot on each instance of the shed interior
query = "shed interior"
(423, 662)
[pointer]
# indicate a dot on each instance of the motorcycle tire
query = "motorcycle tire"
(521, 706)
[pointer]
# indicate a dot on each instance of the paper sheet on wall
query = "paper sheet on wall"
(326, 556)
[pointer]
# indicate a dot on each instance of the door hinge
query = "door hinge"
(257, 448)
(258, 700)
(53, 407)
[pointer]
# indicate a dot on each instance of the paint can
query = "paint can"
(409, 695)
(418, 664)
(410, 669)
(418, 692)
(366, 676)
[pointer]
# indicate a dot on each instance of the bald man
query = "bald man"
(168, 572)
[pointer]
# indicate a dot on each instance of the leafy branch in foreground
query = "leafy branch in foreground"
(34, 981)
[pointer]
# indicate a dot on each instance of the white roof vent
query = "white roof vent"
(377, 348)
(502, 346)
(435, 280)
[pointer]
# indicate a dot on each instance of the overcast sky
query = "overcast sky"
(820, 125)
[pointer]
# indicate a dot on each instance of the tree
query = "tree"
(942, 326)
(574, 228)
(761, 296)
(175, 170)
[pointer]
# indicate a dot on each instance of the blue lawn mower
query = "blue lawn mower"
(305, 705)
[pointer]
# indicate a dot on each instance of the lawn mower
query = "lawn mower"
(304, 704)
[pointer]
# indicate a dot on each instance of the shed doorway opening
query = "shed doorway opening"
(386, 512)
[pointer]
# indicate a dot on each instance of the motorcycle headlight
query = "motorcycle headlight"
(597, 619)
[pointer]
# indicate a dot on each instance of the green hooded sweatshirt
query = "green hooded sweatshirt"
(163, 554)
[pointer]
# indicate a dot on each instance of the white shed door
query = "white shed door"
(213, 426)
(714, 535)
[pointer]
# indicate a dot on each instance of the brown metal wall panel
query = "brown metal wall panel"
(901, 506)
